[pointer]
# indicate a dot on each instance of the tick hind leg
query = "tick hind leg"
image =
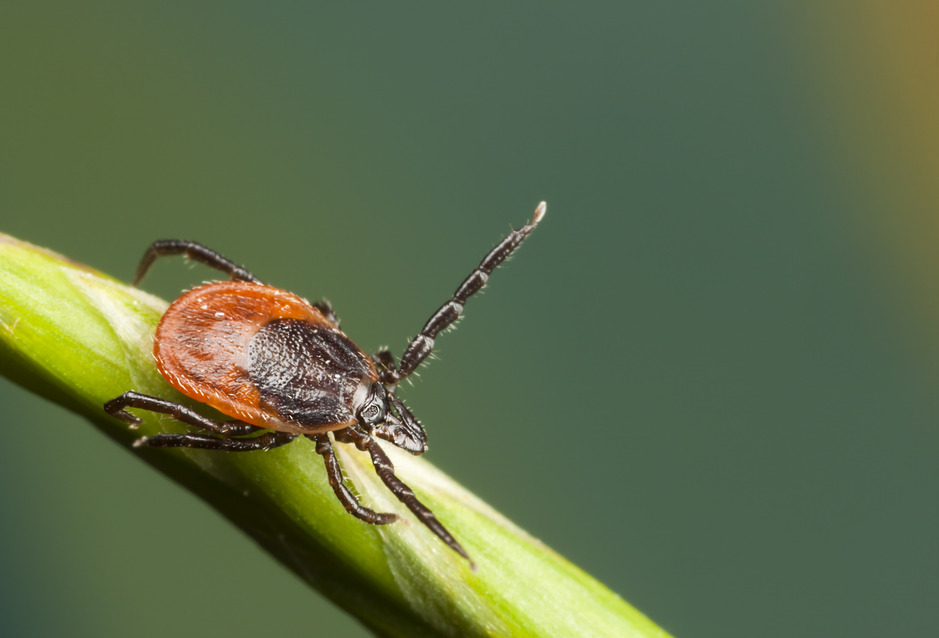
(196, 252)
(222, 431)
(117, 407)
(334, 472)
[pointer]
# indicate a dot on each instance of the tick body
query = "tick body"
(280, 368)
(263, 356)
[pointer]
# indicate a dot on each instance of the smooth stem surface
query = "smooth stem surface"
(79, 338)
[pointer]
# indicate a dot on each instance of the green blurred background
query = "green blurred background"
(709, 378)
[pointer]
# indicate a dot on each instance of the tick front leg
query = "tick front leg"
(423, 343)
(387, 368)
(386, 472)
(334, 472)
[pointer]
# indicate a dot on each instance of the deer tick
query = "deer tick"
(280, 368)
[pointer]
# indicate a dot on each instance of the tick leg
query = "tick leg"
(116, 408)
(267, 441)
(386, 472)
(327, 309)
(195, 251)
(384, 361)
(325, 449)
(423, 343)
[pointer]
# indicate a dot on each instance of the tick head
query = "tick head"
(371, 409)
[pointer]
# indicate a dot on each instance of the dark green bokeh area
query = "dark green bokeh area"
(693, 381)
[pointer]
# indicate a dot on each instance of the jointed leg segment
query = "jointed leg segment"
(347, 498)
(220, 438)
(117, 408)
(222, 431)
(267, 441)
(386, 472)
(423, 343)
(194, 251)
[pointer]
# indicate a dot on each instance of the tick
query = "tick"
(280, 368)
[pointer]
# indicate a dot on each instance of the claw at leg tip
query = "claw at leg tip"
(540, 211)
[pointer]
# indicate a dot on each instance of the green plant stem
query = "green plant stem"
(79, 338)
